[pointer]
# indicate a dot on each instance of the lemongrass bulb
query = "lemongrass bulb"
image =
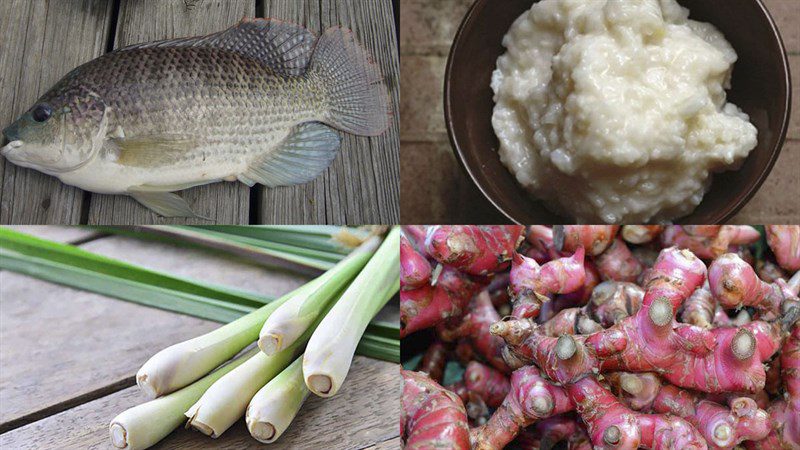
(144, 425)
(273, 408)
(330, 350)
(292, 318)
(227, 399)
(179, 365)
(279, 334)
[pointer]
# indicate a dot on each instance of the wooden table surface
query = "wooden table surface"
(69, 357)
(43, 40)
(434, 187)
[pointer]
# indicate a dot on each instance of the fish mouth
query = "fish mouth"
(13, 145)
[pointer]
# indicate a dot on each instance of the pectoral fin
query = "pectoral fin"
(303, 156)
(166, 204)
(150, 151)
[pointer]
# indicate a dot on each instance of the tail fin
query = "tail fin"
(359, 99)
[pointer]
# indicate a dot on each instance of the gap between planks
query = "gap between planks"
(67, 404)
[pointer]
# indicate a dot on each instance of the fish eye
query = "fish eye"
(41, 112)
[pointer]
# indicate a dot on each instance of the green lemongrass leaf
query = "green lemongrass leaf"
(74, 267)
(278, 255)
(385, 329)
(349, 237)
(318, 230)
(68, 254)
(291, 253)
(295, 237)
(265, 244)
(379, 347)
(123, 289)
(77, 268)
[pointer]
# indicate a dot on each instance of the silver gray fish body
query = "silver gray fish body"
(253, 103)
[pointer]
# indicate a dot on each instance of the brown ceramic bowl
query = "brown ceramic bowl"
(760, 86)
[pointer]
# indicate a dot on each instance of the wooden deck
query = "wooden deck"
(69, 357)
(43, 40)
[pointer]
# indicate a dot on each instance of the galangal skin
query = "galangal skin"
(785, 414)
(432, 416)
(415, 270)
(476, 250)
(734, 284)
(253, 103)
(784, 240)
(530, 284)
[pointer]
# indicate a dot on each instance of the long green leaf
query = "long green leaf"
(384, 329)
(295, 237)
(299, 259)
(273, 246)
(132, 291)
(55, 252)
(379, 347)
(74, 267)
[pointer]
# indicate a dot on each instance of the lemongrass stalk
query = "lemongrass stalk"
(226, 400)
(178, 365)
(331, 348)
(144, 425)
(294, 316)
(274, 406)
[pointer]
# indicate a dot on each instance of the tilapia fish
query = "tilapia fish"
(254, 103)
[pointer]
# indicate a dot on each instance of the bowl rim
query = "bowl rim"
(723, 216)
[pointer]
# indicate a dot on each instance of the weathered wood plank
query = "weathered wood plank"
(150, 20)
(434, 188)
(362, 185)
(58, 343)
(428, 28)
(794, 121)
(787, 17)
(360, 415)
(42, 41)
(392, 444)
(778, 199)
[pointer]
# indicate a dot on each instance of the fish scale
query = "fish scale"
(256, 102)
(209, 93)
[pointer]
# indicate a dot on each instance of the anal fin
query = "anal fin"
(300, 158)
(166, 204)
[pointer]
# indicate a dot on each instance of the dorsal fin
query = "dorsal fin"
(285, 47)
